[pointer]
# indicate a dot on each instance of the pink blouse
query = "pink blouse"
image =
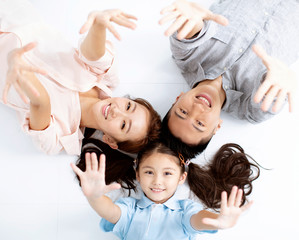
(68, 74)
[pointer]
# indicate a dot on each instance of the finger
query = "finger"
(239, 198)
(291, 102)
(113, 186)
(223, 204)
(169, 17)
(268, 100)
(114, 32)
(281, 97)
(168, 9)
(262, 90)
(21, 93)
(217, 18)
(186, 29)
(232, 196)
(247, 206)
(261, 53)
(122, 21)
(102, 164)
(94, 162)
(5, 92)
(87, 25)
(76, 170)
(177, 24)
(211, 222)
(27, 47)
(88, 161)
(30, 68)
(129, 16)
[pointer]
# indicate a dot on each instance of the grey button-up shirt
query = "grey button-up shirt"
(226, 50)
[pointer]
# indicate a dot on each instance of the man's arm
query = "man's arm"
(188, 18)
(94, 187)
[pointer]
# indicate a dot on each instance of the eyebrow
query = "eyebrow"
(198, 129)
(168, 168)
(130, 121)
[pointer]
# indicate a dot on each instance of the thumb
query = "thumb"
(113, 186)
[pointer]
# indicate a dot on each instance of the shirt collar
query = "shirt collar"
(171, 203)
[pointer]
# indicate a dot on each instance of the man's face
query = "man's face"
(195, 116)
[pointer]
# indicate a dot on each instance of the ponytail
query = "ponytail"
(229, 167)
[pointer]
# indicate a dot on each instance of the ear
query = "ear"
(137, 176)
(183, 178)
(110, 141)
(177, 98)
(218, 126)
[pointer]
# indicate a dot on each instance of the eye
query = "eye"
(183, 111)
(200, 123)
(149, 172)
(123, 125)
(128, 106)
(168, 173)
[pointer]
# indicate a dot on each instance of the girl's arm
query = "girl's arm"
(22, 76)
(93, 46)
(94, 187)
(230, 211)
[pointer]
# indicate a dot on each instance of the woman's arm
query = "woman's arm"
(94, 187)
(93, 46)
(22, 76)
(188, 18)
(229, 213)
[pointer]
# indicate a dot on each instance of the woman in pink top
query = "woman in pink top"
(56, 89)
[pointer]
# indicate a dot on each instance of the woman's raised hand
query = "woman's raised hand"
(104, 19)
(279, 83)
(17, 74)
(230, 210)
(93, 179)
(188, 18)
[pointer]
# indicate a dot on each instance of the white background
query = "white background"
(39, 196)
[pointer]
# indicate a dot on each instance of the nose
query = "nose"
(157, 179)
(115, 112)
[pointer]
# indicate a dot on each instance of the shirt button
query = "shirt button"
(225, 68)
(266, 13)
(253, 31)
(226, 87)
(241, 50)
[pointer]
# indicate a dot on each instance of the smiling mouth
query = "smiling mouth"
(205, 99)
(157, 190)
(105, 110)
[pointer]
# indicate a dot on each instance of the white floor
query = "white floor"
(39, 197)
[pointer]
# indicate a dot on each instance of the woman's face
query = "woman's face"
(122, 119)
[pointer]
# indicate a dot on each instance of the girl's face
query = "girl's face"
(159, 175)
(121, 119)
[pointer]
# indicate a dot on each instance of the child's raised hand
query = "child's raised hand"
(17, 74)
(188, 18)
(230, 210)
(104, 19)
(93, 179)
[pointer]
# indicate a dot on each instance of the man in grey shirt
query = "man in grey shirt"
(223, 55)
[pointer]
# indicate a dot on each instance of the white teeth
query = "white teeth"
(106, 111)
(205, 100)
(157, 190)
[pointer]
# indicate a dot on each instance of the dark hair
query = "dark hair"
(229, 167)
(153, 131)
(119, 166)
(177, 145)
